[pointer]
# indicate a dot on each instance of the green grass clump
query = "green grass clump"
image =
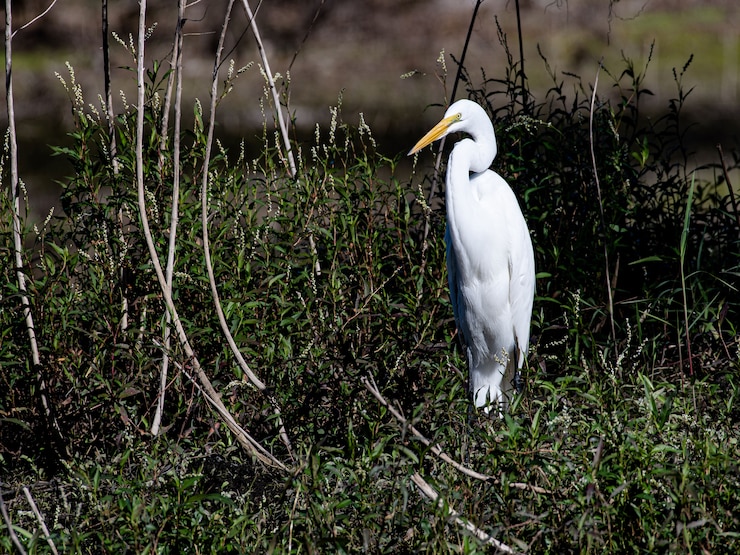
(334, 278)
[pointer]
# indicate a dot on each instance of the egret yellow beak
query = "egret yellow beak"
(436, 132)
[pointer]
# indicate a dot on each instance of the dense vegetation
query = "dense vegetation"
(333, 282)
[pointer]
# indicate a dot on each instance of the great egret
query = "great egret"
(490, 261)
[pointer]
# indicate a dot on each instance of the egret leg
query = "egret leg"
(466, 439)
(518, 382)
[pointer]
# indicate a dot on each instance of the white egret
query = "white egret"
(490, 261)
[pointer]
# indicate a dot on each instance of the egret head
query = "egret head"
(464, 116)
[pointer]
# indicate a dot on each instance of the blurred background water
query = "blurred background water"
(360, 49)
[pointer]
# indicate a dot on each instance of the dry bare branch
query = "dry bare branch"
(436, 449)
(17, 235)
(175, 76)
(233, 425)
(9, 524)
(438, 162)
(40, 518)
(206, 243)
(432, 494)
(273, 89)
(601, 204)
(108, 94)
(35, 19)
(204, 210)
(112, 145)
(281, 120)
(250, 444)
(529, 487)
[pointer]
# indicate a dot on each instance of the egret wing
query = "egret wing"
(458, 306)
(522, 284)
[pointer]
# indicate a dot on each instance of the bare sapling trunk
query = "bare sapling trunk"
(17, 231)
(176, 79)
(249, 443)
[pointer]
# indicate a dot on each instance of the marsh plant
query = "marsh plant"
(330, 273)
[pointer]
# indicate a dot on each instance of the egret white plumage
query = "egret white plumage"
(490, 261)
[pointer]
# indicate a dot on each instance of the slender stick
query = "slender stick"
(601, 204)
(174, 214)
(244, 438)
(108, 93)
(432, 494)
(436, 449)
(204, 209)
(35, 19)
(171, 78)
(40, 518)
(252, 446)
(438, 162)
(461, 65)
(273, 89)
(206, 243)
(730, 190)
(281, 121)
(521, 55)
(9, 524)
(113, 148)
(17, 234)
(15, 193)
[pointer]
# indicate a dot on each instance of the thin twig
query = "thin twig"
(40, 518)
(273, 89)
(171, 78)
(461, 65)
(228, 418)
(175, 76)
(601, 204)
(204, 205)
(204, 211)
(292, 520)
(9, 524)
(308, 32)
(113, 149)
(206, 243)
(35, 19)
(17, 235)
(108, 94)
(521, 56)
(252, 446)
(729, 184)
(432, 494)
(440, 150)
(436, 449)
(281, 121)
